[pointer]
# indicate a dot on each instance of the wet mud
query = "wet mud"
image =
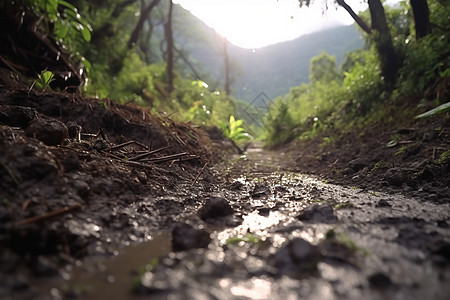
(275, 234)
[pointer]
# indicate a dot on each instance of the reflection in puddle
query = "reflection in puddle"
(254, 223)
(111, 278)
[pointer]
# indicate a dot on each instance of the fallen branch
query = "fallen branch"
(49, 215)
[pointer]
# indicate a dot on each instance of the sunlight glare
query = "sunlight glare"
(258, 23)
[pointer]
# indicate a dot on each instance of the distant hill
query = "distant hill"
(277, 68)
(273, 69)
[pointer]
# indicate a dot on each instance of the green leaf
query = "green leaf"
(66, 4)
(86, 34)
(440, 109)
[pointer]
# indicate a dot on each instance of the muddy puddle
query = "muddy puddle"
(268, 233)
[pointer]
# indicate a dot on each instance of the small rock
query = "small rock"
(260, 190)
(17, 115)
(100, 145)
(379, 280)
(264, 211)
(358, 164)
(215, 207)
(185, 237)
(444, 251)
(74, 130)
(297, 256)
(318, 214)
(51, 132)
(383, 203)
(397, 177)
(236, 185)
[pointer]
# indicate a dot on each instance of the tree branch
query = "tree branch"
(355, 17)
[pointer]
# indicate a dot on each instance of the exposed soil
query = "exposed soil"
(397, 152)
(83, 179)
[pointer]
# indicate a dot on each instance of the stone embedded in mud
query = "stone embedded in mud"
(398, 177)
(297, 256)
(17, 115)
(74, 130)
(358, 164)
(185, 237)
(215, 207)
(383, 203)
(260, 191)
(318, 214)
(379, 280)
(236, 185)
(51, 132)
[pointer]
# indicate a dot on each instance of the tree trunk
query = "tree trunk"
(421, 17)
(389, 59)
(169, 39)
(226, 62)
(137, 30)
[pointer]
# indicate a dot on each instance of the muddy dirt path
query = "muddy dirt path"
(268, 233)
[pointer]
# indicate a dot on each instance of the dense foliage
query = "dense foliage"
(123, 46)
(329, 101)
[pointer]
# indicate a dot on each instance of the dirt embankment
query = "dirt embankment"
(76, 176)
(395, 153)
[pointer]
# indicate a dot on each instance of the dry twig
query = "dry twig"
(49, 215)
(198, 175)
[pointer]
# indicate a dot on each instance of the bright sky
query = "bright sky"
(258, 23)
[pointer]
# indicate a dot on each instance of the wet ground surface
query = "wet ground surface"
(268, 233)
(99, 200)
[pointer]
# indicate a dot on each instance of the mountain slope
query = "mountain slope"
(273, 69)
(277, 68)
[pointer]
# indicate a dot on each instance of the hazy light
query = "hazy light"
(257, 23)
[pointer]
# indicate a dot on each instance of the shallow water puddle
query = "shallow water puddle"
(111, 278)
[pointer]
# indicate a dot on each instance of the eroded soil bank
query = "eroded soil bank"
(100, 201)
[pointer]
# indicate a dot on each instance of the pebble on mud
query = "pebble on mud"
(297, 256)
(215, 207)
(397, 177)
(358, 164)
(379, 280)
(383, 203)
(318, 214)
(260, 191)
(185, 237)
(51, 132)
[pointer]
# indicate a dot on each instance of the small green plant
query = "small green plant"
(150, 267)
(343, 205)
(381, 165)
(402, 150)
(346, 241)
(247, 238)
(444, 157)
(44, 79)
(234, 130)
